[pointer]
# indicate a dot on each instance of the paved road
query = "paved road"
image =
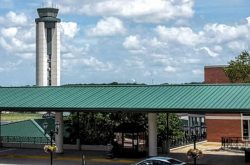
(22, 161)
(213, 155)
(38, 157)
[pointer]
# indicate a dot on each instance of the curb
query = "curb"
(188, 145)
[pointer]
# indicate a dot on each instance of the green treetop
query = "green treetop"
(239, 69)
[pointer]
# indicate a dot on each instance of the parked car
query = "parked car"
(160, 161)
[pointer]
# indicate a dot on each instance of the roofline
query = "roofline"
(159, 85)
(215, 66)
(138, 110)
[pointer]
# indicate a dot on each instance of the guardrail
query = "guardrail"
(28, 140)
(235, 142)
(174, 141)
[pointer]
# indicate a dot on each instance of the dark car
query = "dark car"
(160, 161)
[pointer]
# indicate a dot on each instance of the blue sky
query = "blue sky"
(143, 41)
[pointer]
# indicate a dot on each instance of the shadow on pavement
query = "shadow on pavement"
(213, 159)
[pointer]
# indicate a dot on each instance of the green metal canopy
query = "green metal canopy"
(29, 129)
(132, 98)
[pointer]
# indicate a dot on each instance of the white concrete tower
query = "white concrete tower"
(47, 47)
(48, 57)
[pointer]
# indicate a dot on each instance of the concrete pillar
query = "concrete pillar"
(59, 136)
(152, 134)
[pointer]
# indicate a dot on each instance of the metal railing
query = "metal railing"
(235, 143)
(182, 141)
(27, 140)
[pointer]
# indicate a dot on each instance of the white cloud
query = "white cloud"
(69, 29)
(197, 71)
(87, 63)
(9, 66)
(9, 32)
(137, 10)
(109, 26)
(188, 60)
(18, 41)
(170, 69)
(222, 33)
(135, 62)
(154, 42)
(4, 44)
(238, 45)
(74, 50)
(12, 18)
(182, 35)
(132, 42)
(247, 21)
(206, 50)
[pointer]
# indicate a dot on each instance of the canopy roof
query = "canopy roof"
(30, 128)
(131, 98)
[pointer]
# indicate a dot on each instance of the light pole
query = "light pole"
(0, 129)
(51, 134)
(194, 136)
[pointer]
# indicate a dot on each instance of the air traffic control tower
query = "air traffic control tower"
(48, 58)
(47, 47)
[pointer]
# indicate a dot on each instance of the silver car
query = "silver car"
(160, 161)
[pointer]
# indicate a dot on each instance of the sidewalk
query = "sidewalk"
(212, 154)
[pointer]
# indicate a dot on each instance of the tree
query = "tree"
(97, 128)
(238, 70)
(175, 126)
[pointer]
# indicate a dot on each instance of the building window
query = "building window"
(246, 126)
(246, 129)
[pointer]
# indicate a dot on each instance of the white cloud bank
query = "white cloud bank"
(210, 39)
(138, 10)
(181, 52)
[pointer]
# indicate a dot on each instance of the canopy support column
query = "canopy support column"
(59, 136)
(152, 134)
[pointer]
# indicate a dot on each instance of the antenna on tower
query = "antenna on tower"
(48, 4)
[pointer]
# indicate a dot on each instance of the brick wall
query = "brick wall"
(215, 74)
(217, 128)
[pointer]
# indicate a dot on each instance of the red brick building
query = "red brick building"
(224, 125)
(215, 74)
